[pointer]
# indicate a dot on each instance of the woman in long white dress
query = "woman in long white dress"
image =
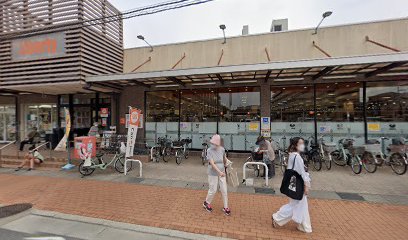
(296, 210)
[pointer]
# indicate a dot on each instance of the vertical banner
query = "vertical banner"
(134, 121)
(62, 145)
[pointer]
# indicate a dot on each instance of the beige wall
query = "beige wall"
(338, 41)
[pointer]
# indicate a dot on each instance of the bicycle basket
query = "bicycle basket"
(167, 143)
(257, 156)
(329, 147)
(348, 144)
(178, 143)
(375, 148)
(358, 150)
(187, 141)
(399, 148)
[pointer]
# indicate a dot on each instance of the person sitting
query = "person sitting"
(94, 130)
(269, 155)
(30, 138)
(33, 156)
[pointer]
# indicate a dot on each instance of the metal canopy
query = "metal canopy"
(357, 67)
(57, 88)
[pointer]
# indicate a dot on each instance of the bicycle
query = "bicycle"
(186, 149)
(173, 148)
(255, 157)
(346, 154)
(325, 150)
(204, 150)
(281, 158)
(312, 154)
(156, 152)
(114, 144)
(375, 156)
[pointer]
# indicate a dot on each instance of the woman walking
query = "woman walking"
(216, 174)
(296, 210)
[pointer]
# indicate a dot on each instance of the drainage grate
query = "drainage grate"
(10, 210)
(265, 190)
(350, 196)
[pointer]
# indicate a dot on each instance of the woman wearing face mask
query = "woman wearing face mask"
(216, 174)
(296, 210)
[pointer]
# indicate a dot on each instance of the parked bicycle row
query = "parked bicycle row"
(369, 156)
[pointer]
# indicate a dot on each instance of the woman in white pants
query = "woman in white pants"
(296, 210)
(216, 174)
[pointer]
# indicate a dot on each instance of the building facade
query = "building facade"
(47, 49)
(348, 81)
(345, 81)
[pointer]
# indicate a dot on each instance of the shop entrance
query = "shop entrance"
(7, 123)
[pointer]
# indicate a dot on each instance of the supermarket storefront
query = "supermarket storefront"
(360, 97)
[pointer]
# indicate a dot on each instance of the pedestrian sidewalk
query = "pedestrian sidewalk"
(37, 224)
(180, 209)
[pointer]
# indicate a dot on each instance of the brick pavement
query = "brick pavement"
(180, 209)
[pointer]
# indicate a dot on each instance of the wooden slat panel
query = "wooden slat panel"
(89, 50)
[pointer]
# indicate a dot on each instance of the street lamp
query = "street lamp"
(223, 27)
(325, 15)
(143, 39)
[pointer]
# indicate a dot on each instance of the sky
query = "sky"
(202, 21)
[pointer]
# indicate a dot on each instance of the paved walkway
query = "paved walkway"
(180, 209)
(36, 224)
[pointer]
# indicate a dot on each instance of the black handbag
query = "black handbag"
(293, 185)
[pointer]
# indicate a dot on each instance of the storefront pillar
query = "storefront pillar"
(17, 103)
(265, 100)
(134, 97)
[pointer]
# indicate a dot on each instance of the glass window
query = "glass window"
(162, 115)
(239, 115)
(82, 117)
(83, 98)
(340, 111)
(387, 109)
(292, 113)
(199, 116)
(239, 104)
(7, 123)
(42, 116)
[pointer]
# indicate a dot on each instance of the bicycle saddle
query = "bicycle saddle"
(98, 155)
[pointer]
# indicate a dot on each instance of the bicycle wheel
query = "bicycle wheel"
(327, 162)
(256, 171)
(155, 154)
(305, 159)
(85, 171)
(338, 159)
(397, 163)
(186, 153)
(166, 154)
(179, 156)
(283, 161)
(369, 164)
(120, 165)
(316, 160)
(354, 164)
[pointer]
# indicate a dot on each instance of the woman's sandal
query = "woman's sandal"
(274, 224)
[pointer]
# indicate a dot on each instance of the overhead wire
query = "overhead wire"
(142, 11)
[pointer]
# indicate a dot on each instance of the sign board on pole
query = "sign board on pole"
(266, 126)
(134, 121)
(62, 145)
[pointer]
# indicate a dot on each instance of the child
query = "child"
(33, 156)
